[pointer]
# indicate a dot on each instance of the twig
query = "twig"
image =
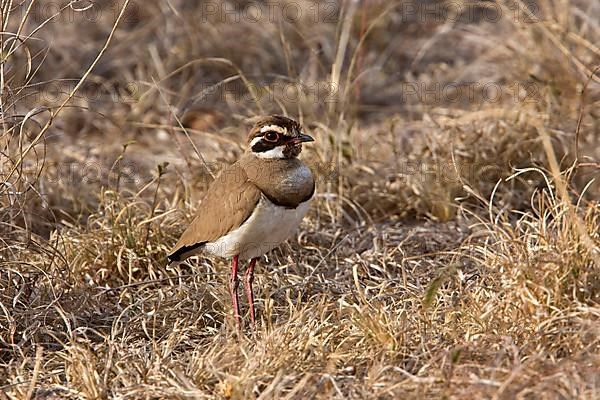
(580, 118)
(71, 94)
(172, 113)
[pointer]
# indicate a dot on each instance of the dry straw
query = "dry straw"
(452, 250)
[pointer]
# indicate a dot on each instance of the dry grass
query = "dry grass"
(452, 252)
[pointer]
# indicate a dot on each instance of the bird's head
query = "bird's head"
(276, 137)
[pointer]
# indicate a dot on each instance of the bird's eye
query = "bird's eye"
(271, 136)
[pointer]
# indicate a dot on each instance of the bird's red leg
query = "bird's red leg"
(248, 279)
(233, 285)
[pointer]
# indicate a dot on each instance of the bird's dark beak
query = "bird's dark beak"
(301, 138)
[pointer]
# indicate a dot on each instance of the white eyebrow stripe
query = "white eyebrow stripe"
(275, 128)
(255, 140)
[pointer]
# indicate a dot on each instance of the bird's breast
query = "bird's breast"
(298, 182)
(268, 226)
(284, 182)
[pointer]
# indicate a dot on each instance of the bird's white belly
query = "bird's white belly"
(268, 226)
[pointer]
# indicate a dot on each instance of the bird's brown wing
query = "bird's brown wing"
(229, 202)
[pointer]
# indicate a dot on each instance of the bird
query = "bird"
(253, 205)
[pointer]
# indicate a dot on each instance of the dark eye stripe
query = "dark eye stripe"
(263, 145)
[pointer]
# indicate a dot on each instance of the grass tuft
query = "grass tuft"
(452, 250)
